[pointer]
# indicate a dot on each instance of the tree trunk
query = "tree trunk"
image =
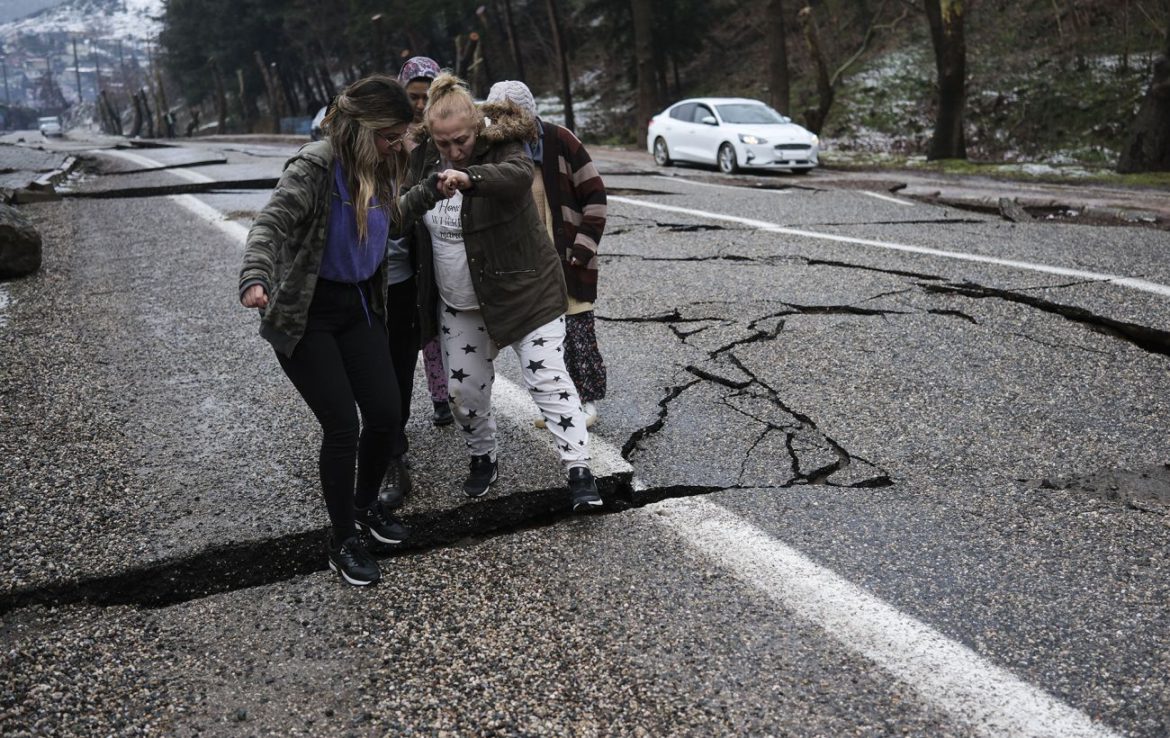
(513, 39)
(777, 56)
(815, 119)
(950, 55)
(270, 91)
(220, 98)
(248, 111)
(644, 55)
(1148, 148)
(563, 55)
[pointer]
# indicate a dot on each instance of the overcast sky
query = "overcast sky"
(13, 9)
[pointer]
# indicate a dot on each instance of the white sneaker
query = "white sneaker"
(590, 413)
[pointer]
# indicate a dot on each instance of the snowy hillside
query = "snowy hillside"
(107, 20)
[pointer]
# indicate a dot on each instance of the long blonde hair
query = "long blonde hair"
(448, 96)
(370, 104)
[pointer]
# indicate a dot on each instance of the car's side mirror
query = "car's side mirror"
(709, 120)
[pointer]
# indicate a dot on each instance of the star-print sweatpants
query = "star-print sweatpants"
(468, 353)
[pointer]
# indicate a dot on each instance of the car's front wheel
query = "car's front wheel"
(661, 154)
(727, 162)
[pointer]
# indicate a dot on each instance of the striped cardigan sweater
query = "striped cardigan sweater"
(576, 197)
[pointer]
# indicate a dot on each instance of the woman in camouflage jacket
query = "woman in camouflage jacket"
(314, 266)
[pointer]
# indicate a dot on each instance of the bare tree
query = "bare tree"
(1148, 148)
(778, 83)
(644, 56)
(827, 83)
(815, 119)
(950, 56)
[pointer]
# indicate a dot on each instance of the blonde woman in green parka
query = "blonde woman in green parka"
(490, 278)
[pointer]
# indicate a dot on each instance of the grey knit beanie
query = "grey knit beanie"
(515, 91)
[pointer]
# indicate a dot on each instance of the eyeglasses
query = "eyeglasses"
(391, 142)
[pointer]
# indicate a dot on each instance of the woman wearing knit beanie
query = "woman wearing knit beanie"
(570, 198)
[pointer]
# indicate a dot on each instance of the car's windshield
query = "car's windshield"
(749, 113)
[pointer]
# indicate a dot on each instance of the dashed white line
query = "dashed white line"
(945, 673)
(1133, 283)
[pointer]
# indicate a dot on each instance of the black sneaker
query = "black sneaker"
(442, 414)
(583, 490)
(351, 560)
(483, 473)
(396, 486)
(380, 524)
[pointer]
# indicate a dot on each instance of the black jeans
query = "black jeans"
(343, 360)
(402, 325)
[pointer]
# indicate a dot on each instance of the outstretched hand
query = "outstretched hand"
(452, 180)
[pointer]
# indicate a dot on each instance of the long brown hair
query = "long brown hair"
(370, 104)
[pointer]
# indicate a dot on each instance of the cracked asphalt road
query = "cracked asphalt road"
(980, 445)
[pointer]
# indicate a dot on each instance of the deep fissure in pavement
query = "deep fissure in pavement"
(185, 188)
(1153, 340)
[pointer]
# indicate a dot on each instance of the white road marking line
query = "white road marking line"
(4, 300)
(943, 672)
(236, 231)
(682, 180)
(1134, 283)
(887, 198)
(149, 163)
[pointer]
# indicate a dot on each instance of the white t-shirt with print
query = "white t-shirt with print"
(451, 271)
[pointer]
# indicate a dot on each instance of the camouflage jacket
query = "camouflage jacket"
(287, 240)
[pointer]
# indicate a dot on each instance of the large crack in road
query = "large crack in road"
(815, 458)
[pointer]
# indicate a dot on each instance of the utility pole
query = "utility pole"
(77, 72)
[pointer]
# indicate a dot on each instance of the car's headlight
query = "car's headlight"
(751, 140)
(815, 139)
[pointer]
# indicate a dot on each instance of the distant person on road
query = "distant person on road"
(570, 198)
(314, 265)
(489, 278)
(416, 76)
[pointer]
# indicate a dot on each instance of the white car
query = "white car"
(733, 133)
(50, 126)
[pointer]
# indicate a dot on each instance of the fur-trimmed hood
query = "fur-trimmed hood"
(504, 121)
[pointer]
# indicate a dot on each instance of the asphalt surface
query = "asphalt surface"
(980, 445)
